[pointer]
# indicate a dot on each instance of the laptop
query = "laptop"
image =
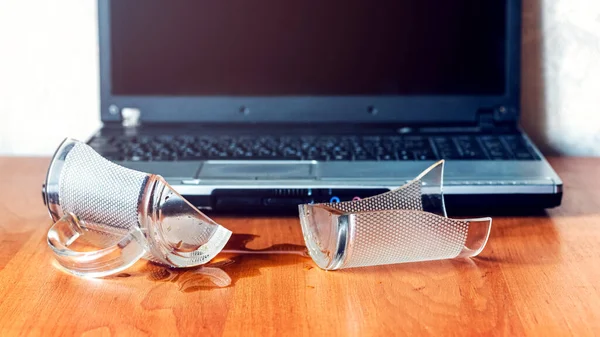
(262, 105)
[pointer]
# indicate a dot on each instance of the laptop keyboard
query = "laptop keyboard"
(322, 148)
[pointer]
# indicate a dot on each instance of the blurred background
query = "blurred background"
(49, 75)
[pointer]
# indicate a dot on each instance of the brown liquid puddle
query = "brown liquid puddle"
(234, 262)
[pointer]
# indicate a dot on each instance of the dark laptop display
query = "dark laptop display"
(308, 48)
(265, 104)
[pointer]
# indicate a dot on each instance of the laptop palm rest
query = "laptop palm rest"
(257, 170)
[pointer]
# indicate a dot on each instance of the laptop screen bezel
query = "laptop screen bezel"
(407, 109)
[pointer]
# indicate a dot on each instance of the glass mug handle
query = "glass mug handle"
(97, 263)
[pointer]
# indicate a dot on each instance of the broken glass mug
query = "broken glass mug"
(408, 224)
(119, 215)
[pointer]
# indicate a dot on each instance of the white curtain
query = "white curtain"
(561, 75)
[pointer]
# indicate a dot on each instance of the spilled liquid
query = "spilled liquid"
(235, 261)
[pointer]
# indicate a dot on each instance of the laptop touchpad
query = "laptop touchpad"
(250, 170)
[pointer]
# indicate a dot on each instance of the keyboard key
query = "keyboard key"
(446, 147)
(387, 157)
(364, 157)
(469, 147)
(495, 148)
(405, 155)
(518, 147)
(341, 156)
(425, 155)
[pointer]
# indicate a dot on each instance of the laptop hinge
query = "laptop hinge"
(486, 119)
(493, 118)
(130, 117)
(130, 120)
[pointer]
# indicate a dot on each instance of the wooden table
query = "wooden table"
(539, 275)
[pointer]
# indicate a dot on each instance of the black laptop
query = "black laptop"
(262, 105)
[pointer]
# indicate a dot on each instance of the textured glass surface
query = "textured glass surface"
(408, 224)
(112, 209)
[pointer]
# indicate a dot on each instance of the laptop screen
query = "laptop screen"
(308, 48)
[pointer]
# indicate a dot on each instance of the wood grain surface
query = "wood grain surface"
(539, 275)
